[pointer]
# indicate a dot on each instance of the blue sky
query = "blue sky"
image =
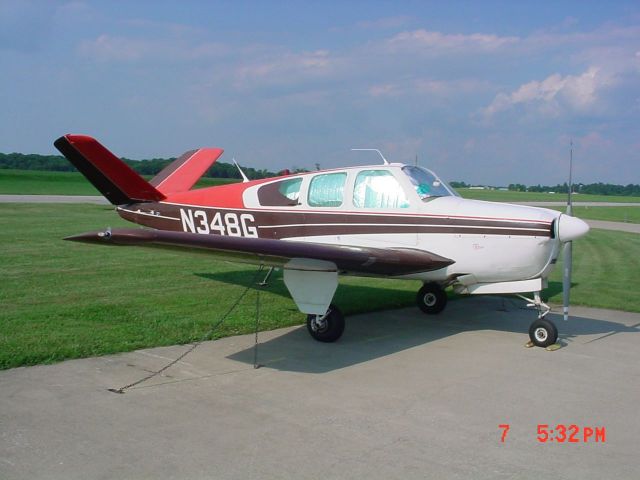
(485, 92)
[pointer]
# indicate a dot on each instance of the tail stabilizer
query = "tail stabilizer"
(183, 173)
(110, 175)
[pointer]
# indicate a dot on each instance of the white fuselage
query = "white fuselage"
(488, 257)
(490, 242)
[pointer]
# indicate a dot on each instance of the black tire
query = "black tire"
(328, 327)
(431, 298)
(543, 333)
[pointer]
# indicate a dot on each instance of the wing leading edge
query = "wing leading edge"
(363, 260)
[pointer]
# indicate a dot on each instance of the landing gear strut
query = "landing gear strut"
(542, 332)
(431, 298)
(328, 327)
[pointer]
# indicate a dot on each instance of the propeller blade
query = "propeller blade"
(566, 277)
(568, 246)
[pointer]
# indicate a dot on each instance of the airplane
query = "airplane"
(387, 220)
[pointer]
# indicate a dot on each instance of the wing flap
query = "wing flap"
(363, 260)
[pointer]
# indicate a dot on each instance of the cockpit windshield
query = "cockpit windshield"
(427, 183)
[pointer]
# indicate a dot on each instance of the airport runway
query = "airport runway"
(400, 396)
(53, 199)
(579, 204)
(618, 226)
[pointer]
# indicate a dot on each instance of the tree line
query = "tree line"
(152, 166)
(228, 170)
(590, 188)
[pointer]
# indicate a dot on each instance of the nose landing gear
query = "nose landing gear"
(542, 332)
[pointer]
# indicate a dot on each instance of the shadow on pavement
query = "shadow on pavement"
(378, 334)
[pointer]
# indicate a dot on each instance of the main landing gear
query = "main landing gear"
(431, 298)
(328, 327)
(542, 332)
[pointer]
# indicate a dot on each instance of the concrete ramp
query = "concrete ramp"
(401, 395)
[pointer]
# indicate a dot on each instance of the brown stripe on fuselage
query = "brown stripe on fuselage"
(279, 224)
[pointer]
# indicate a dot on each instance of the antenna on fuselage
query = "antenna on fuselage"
(371, 150)
(244, 177)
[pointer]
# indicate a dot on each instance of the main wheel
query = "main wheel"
(543, 333)
(327, 327)
(431, 298)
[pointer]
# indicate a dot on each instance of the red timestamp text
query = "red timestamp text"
(561, 433)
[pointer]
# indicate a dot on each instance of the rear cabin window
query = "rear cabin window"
(378, 189)
(327, 190)
(280, 194)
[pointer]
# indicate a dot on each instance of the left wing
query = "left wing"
(363, 260)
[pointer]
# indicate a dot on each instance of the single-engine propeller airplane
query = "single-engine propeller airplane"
(390, 220)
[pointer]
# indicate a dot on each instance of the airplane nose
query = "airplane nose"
(570, 228)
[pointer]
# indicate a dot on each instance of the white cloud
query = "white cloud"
(550, 95)
(284, 68)
(428, 42)
(385, 90)
(428, 87)
(128, 49)
(384, 23)
(450, 87)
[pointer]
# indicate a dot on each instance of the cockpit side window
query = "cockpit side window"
(280, 194)
(378, 189)
(427, 184)
(327, 190)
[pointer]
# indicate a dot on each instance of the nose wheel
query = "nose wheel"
(543, 333)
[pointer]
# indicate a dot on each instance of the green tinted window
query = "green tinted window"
(290, 188)
(280, 194)
(326, 190)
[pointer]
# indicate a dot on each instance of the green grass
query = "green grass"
(507, 196)
(33, 182)
(67, 300)
(630, 214)
(605, 272)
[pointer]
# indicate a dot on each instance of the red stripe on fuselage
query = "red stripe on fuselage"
(221, 196)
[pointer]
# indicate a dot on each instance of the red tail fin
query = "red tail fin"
(110, 175)
(182, 174)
